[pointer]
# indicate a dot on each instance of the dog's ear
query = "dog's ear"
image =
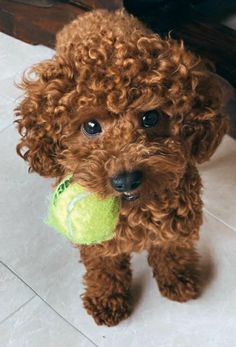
(42, 116)
(204, 127)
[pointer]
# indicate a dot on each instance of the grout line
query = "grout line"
(18, 309)
(63, 318)
(7, 127)
(219, 220)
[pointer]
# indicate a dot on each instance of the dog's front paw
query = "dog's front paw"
(180, 286)
(108, 310)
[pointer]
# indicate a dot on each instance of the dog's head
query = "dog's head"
(122, 109)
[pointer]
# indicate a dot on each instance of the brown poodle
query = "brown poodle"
(129, 114)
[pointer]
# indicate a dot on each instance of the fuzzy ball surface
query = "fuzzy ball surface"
(80, 215)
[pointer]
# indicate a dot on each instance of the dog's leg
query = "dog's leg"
(108, 282)
(176, 271)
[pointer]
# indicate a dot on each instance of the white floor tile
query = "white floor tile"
(13, 293)
(10, 97)
(219, 179)
(6, 115)
(36, 325)
(10, 93)
(17, 56)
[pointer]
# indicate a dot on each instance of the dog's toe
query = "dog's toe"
(180, 287)
(108, 310)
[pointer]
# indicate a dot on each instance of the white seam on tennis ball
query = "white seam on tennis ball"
(70, 208)
(76, 199)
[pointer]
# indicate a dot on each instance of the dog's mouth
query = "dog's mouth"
(128, 196)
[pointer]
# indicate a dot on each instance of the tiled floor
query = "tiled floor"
(41, 280)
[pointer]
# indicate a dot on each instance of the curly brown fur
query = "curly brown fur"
(176, 270)
(108, 284)
(109, 67)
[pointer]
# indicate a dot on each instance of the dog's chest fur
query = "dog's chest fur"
(162, 218)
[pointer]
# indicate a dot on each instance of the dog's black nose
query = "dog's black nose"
(127, 181)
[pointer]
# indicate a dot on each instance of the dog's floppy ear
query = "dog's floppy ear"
(42, 116)
(205, 126)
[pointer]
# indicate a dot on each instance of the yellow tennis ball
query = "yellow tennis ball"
(80, 215)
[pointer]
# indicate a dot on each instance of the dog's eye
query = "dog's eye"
(150, 118)
(92, 127)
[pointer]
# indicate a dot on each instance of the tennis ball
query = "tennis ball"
(80, 215)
